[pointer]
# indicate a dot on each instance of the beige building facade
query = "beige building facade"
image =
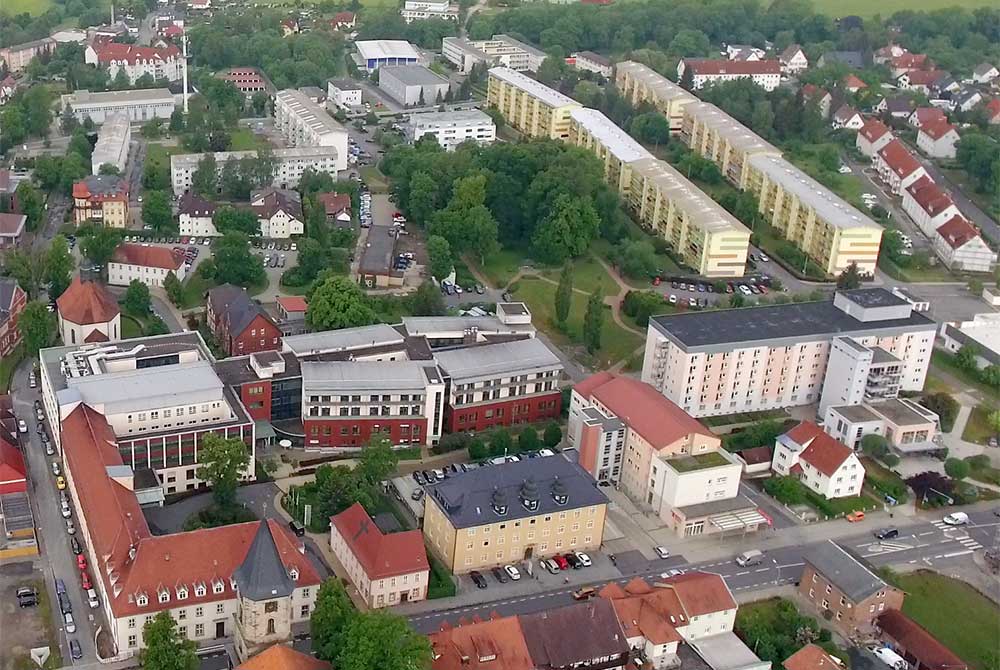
(639, 84)
(531, 108)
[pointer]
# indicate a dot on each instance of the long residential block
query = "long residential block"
(720, 138)
(639, 84)
(614, 147)
(289, 165)
(530, 107)
(303, 123)
(140, 105)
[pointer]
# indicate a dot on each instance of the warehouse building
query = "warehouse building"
(140, 105)
(413, 84)
(373, 54)
(112, 144)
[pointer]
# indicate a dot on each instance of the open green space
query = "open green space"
(884, 481)
(791, 491)
(946, 361)
(929, 273)
(130, 327)
(244, 140)
(588, 276)
(500, 267)
(838, 8)
(616, 343)
(377, 182)
(978, 429)
(960, 617)
(159, 154)
(33, 7)
(744, 417)
(7, 366)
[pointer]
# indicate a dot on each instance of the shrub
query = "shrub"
(956, 469)
(553, 435)
(787, 490)
(944, 406)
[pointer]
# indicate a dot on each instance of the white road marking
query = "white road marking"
(957, 553)
(745, 572)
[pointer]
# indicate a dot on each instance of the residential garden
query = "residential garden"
(775, 630)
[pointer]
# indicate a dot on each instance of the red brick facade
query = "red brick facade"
(10, 336)
(260, 335)
(503, 413)
(848, 617)
(353, 431)
(256, 397)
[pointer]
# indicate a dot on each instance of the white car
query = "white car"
(66, 511)
(92, 598)
(662, 552)
(22, 427)
(512, 572)
(56, 470)
(956, 519)
(673, 299)
(764, 257)
(550, 565)
(583, 558)
(69, 623)
(844, 170)
(70, 528)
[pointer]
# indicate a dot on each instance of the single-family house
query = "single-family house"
(793, 59)
(847, 117)
(922, 115)
(961, 247)
(899, 107)
(811, 657)
(872, 136)
(195, 216)
(928, 205)
(11, 229)
(823, 465)
(919, 80)
(852, 59)
(966, 99)
(937, 139)
(984, 73)
(853, 84)
(337, 207)
(993, 111)
(821, 97)
(279, 212)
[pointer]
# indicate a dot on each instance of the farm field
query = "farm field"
(33, 7)
(837, 8)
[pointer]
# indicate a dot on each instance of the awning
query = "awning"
(263, 430)
(738, 520)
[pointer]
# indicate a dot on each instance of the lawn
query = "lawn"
(244, 140)
(744, 417)
(159, 154)
(712, 459)
(946, 361)
(946, 607)
(884, 481)
(440, 584)
(7, 366)
(935, 273)
(377, 182)
(501, 267)
(617, 343)
(978, 429)
(838, 8)
(130, 328)
(195, 287)
(588, 275)
(33, 7)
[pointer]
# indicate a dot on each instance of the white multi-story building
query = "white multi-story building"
(112, 144)
(640, 83)
(452, 128)
(416, 10)
(591, 62)
(136, 61)
(147, 264)
(960, 246)
(704, 71)
(289, 165)
(897, 167)
(937, 139)
(140, 105)
(821, 463)
(767, 357)
(194, 215)
(303, 123)
(279, 213)
(793, 59)
(499, 50)
(857, 373)
(928, 205)
(343, 93)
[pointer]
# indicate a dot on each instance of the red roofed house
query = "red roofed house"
(960, 246)
(847, 117)
(251, 581)
(88, 313)
(337, 207)
(907, 62)
(922, 115)
(897, 167)
(811, 657)
(159, 63)
(240, 325)
(386, 568)
(146, 263)
(822, 464)
(13, 475)
(11, 229)
(937, 139)
(292, 307)
(343, 20)
(248, 80)
(919, 80)
(993, 111)
(493, 644)
(822, 97)
(872, 136)
(628, 433)
(282, 657)
(920, 649)
(12, 302)
(928, 205)
(853, 84)
(288, 27)
(764, 73)
(102, 198)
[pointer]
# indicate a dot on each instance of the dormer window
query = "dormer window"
(142, 600)
(294, 574)
(499, 502)
(218, 586)
(164, 596)
(529, 495)
(232, 583)
(559, 492)
(182, 593)
(199, 590)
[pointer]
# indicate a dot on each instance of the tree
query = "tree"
(29, 201)
(426, 301)
(377, 460)
(205, 180)
(945, 406)
(439, 255)
(593, 322)
(36, 325)
(329, 618)
(27, 267)
(689, 43)
(155, 176)
(552, 435)
(108, 169)
(176, 121)
(466, 222)
(313, 258)
(993, 421)
(156, 212)
(59, 266)
(79, 144)
(136, 300)
(233, 262)
(650, 128)
(74, 168)
(564, 295)
(875, 446)
(528, 440)
(787, 490)
(174, 289)
(222, 462)
(99, 246)
(166, 648)
(956, 468)
(568, 229)
(501, 443)
(637, 259)
(380, 639)
(238, 219)
(337, 302)
(737, 300)
(850, 277)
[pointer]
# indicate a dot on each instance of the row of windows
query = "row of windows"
(404, 429)
(385, 397)
(517, 553)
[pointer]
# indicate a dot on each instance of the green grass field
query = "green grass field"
(244, 140)
(33, 7)
(838, 8)
(588, 275)
(978, 429)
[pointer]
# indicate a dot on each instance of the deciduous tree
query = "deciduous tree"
(238, 219)
(59, 266)
(100, 244)
(329, 618)
(337, 302)
(136, 300)
(222, 461)
(233, 262)
(156, 212)
(205, 180)
(380, 639)
(36, 325)
(567, 231)
(564, 295)
(593, 322)
(439, 254)
(166, 648)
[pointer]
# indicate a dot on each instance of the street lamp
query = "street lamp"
(777, 579)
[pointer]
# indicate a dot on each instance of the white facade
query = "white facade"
(857, 373)
(380, 592)
(452, 128)
(74, 333)
(794, 61)
(140, 105)
(280, 225)
(138, 61)
(972, 256)
(932, 216)
(197, 226)
(290, 164)
(895, 178)
(670, 488)
(938, 147)
(122, 274)
(591, 62)
(413, 84)
(499, 50)
(768, 78)
(985, 73)
(303, 123)
(842, 481)
(343, 94)
(112, 144)
(415, 10)
(868, 146)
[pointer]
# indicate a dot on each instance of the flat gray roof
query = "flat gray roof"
(725, 651)
(661, 87)
(853, 578)
(901, 412)
(110, 139)
(617, 141)
(318, 377)
(339, 340)
(732, 130)
(460, 117)
(534, 88)
(135, 390)
(489, 360)
(412, 75)
(856, 413)
(308, 111)
(136, 96)
(298, 153)
(523, 46)
(436, 325)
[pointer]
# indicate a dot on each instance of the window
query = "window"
(142, 600)
(131, 622)
(305, 612)
(220, 608)
(132, 641)
(271, 606)
(218, 587)
(199, 630)
(164, 596)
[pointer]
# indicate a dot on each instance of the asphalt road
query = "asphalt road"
(921, 542)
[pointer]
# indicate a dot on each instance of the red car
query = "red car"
(85, 580)
(561, 562)
(81, 562)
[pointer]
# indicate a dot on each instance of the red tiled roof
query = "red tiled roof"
(495, 644)
(845, 113)
(850, 81)
(96, 336)
(936, 129)
(922, 645)
(910, 61)
(132, 54)
(280, 657)
(924, 77)
(148, 256)
(929, 196)
(927, 114)
(708, 66)
(899, 159)
(11, 224)
(13, 476)
(86, 303)
(702, 593)
(957, 232)
(380, 555)
(757, 455)
(646, 411)
(811, 657)
(822, 451)
(293, 303)
(873, 130)
(343, 17)
(334, 203)
(993, 108)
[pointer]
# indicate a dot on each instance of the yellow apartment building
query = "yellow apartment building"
(720, 138)
(503, 514)
(531, 108)
(707, 237)
(616, 149)
(101, 198)
(638, 83)
(824, 226)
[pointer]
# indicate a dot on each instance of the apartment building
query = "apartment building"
(146, 264)
(112, 144)
(707, 71)
(303, 123)
(194, 216)
(101, 198)
(897, 167)
(502, 384)
(139, 105)
(819, 222)
(724, 361)
(615, 148)
(17, 56)
(707, 237)
(907, 426)
(928, 205)
(713, 134)
(88, 313)
(13, 299)
(858, 373)
(289, 165)
(514, 511)
(418, 10)
(450, 129)
(824, 466)
(592, 62)
(835, 580)
(386, 568)
(937, 139)
(872, 136)
(530, 107)
(640, 84)
(158, 62)
(343, 93)
(247, 80)
(501, 50)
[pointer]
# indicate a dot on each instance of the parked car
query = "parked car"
(512, 572)
(478, 579)
(81, 562)
(75, 650)
(586, 593)
(550, 565)
(499, 575)
(856, 516)
(92, 598)
(573, 561)
(417, 494)
(85, 580)
(60, 483)
(27, 596)
(56, 470)
(956, 519)
(68, 622)
(418, 478)
(22, 427)
(561, 562)
(70, 528)
(661, 552)
(585, 561)
(887, 533)
(75, 546)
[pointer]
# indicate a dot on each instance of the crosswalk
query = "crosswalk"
(958, 535)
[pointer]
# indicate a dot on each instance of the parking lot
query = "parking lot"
(24, 628)
(700, 294)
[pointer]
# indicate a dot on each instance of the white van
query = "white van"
(956, 519)
(751, 557)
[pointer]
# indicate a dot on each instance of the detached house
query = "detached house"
(937, 139)
(853, 84)
(88, 313)
(822, 98)
(897, 108)
(240, 325)
(822, 464)
(195, 214)
(897, 167)
(961, 247)
(793, 59)
(149, 265)
(922, 115)
(847, 117)
(279, 212)
(967, 99)
(928, 205)
(11, 229)
(872, 136)
(811, 657)
(920, 80)
(985, 73)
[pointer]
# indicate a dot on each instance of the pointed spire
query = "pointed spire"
(262, 575)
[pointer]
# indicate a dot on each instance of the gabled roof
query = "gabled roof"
(899, 159)
(194, 205)
(235, 306)
(495, 644)
(924, 77)
(719, 66)
(924, 115)
(929, 196)
(850, 82)
(132, 54)
(937, 129)
(268, 202)
(908, 61)
(380, 555)
(148, 256)
(873, 130)
(101, 186)
(86, 303)
(11, 225)
(280, 657)
(957, 232)
(574, 634)
(646, 411)
(789, 53)
(845, 571)
(821, 451)
(983, 69)
(262, 574)
(293, 303)
(809, 90)
(931, 654)
(899, 104)
(845, 113)
(334, 203)
(811, 657)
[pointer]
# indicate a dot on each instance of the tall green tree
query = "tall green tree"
(380, 639)
(439, 255)
(74, 167)
(59, 266)
(155, 176)
(233, 262)
(564, 295)
(36, 325)
(166, 648)
(100, 244)
(337, 302)
(205, 180)
(79, 143)
(222, 462)
(850, 277)
(593, 322)
(423, 197)
(567, 231)
(27, 266)
(31, 204)
(329, 618)
(137, 300)
(173, 288)
(239, 219)
(156, 212)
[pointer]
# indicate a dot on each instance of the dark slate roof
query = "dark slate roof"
(467, 498)
(236, 306)
(874, 297)
(194, 205)
(850, 58)
(846, 572)
(8, 287)
(579, 633)
(262, 575)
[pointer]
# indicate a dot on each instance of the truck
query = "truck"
(890, 658)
